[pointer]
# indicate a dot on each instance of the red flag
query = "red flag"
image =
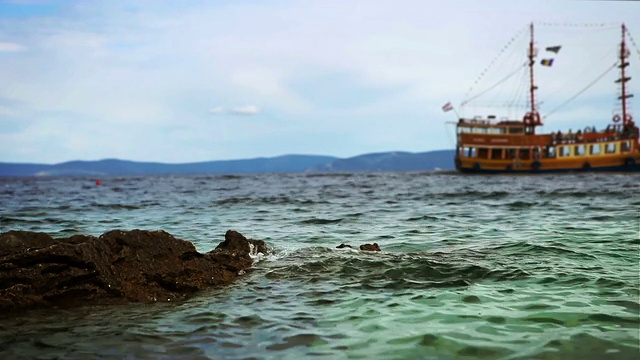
(447, 107)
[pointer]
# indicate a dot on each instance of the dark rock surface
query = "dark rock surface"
(37, 270)
(370, 247)
(363, 247)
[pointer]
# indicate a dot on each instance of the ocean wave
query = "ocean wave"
(320, 221)
(384, 270)
(270, 200)
(117, 206)
(523, 248)
(423, 217)
(520, 204)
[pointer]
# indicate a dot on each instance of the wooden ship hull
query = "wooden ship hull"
(605, 164)
(486, 148)
(508, 146)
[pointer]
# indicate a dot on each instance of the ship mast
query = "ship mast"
(532, 118)
(624, 53)
(531, 77)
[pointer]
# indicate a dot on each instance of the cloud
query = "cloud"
(342, 71)
(216, 110)
(245, 110)
(8, 47)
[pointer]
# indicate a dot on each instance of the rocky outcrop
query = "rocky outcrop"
(370, 247)
(363, 247)
(37, 270)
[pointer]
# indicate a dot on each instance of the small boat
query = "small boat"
(488, 145)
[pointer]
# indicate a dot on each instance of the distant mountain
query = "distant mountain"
(392, 161)
(389, 161)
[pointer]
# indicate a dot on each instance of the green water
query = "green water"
(526, 267)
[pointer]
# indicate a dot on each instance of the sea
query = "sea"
(471, 267)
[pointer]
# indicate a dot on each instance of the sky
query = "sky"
(188, 81)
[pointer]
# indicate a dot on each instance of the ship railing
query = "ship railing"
(475, 121)
(489, 120)
(592, 136)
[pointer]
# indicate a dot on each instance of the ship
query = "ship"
(492, 145)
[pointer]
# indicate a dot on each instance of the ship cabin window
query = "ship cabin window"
(474, 130)
(496, 130)
(516, 130)
(524, 154)
(483, 153)
(610, 148)
(550, 152)
(625, 146)
(469, 152)
(511, 153)
(595, 149)
(496, 154)
(564, 151)
(580, 150)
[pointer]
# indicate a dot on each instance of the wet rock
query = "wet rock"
(37, 270)
(370, 247)
(364, 247)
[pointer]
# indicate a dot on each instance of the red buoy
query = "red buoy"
(98, 182)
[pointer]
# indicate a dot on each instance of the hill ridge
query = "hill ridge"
(381, 161)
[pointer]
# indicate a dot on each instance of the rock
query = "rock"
(37, 270)
(364, 247)
(370, 247)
